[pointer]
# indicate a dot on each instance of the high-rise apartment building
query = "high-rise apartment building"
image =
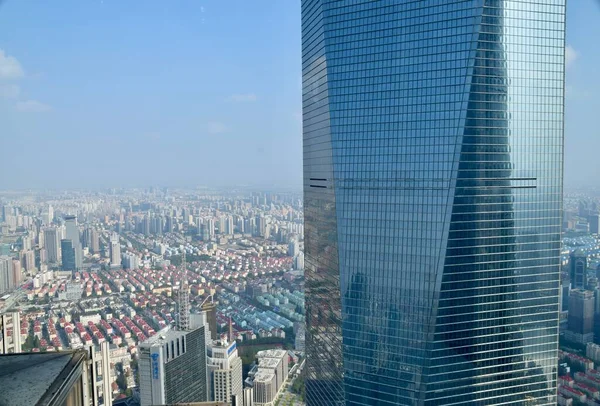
(52, 244)
(10, 333)
(100, 360)
(433, 139)
(172, 368)
(17, 271)
(94, 241)
(72, 233)
(293, 248)
(229, 226)
(28, 260)
(115, 251)
(224, 369)
(210, 226)
(7, 279)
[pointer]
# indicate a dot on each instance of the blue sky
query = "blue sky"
(101, 93)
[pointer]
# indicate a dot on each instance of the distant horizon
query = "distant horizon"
(206, 91)
(272, 188)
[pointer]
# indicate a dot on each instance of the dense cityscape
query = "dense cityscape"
(103, 270)
(244, 260)
(433, 252)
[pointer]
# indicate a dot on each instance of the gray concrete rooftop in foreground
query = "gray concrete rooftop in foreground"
(25, 379)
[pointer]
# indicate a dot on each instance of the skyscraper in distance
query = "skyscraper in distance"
(578, 269)
(7, 280)
(433, 162)
(72, 233)
(115, 250)
(69, 262)
(52, 243)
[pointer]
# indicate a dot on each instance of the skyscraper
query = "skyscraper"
(52, 244)
(433, 135)
(210, 225)
(578, 269)
(172, 368)
(7, 280)
(115, 250)
(68, 255)
(28, 260)
(94, 241)
(224, 369)
(581, 316)
(72, 233)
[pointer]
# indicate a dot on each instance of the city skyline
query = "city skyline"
(308, 202)
(139, 106)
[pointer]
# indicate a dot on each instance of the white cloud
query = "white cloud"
(10, 68)
(32, 106)
(216, 127)
(571, 56)
(9, 91)
(202, 9)
(242, 98)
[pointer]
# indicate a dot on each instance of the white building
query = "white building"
(299, 261)
(101, 374)
(210, 225)
(268, 377)
(264, 388)
(10, 333)
(131, 261)
(115, 251)
(229, 228)
(592, 351)
(224, 368)
(73, 291)
(275, 361)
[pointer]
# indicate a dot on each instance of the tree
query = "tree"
(122, 382)
(28, 345)
(134, 364)
(298, 387)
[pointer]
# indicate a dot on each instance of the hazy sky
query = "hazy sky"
(97, 93)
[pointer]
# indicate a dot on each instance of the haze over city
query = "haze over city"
(113, 94)
(299, 203)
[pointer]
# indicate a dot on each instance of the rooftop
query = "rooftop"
(268, 362)
(32, 378)
(264, 376)
(271, 354)
(162, 337)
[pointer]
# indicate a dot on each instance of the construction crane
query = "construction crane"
(184, 297)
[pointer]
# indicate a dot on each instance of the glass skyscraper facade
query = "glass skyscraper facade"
(433, 162)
